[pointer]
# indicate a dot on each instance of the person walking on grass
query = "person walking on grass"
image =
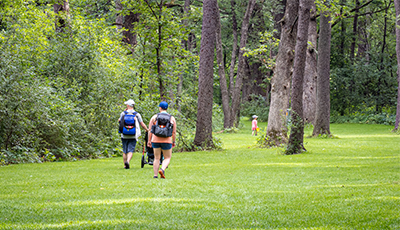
(129, 121)
(254, 126)
(162, 138)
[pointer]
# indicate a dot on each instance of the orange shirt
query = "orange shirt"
(156, 139)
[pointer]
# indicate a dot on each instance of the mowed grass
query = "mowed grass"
(349, 182)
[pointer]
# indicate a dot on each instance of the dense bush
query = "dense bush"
(60, 94)
(365, 118)
(256, 106)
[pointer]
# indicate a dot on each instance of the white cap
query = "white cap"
(254, 116)
(129, 102)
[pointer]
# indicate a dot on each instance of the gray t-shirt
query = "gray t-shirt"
(139, 118)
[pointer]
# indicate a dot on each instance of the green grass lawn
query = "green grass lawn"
(349, 182)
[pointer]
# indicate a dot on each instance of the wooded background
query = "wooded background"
(66, 67)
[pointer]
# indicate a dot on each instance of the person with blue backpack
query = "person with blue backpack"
(129, 128)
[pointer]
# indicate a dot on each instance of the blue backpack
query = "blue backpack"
(127, 125)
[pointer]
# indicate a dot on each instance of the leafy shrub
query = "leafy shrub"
(53, 99)
(256, 106)
(365, 118)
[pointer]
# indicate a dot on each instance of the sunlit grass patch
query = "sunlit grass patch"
(351, 182)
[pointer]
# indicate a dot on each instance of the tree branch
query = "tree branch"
(148, 4)
(368, 13)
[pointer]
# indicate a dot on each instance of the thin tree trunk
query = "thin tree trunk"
(203, 135)
(342, 34)
(397, 7)
(354, 38)
(158, 52)
(280, 83)
(379, 100)
(61, 9)
(322, 118)
(186, 9)
(234, 50)
(310, 74)
(295, 144)
(159, 63)
(241, 70)
(221, 72)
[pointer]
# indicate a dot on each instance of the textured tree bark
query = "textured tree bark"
(310, 74)
(397, 7)
(119, 20)
(240, 75)
(126, 24)
(221, 72)
(203, 135)
(322, 118)
(295, 144)
(280, 82)
(61, 9)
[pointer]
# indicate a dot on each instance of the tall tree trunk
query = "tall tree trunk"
(363, 37)
(234, 51)
(248, 81)
(295, 144)
(342, 34)
(221, 72)
(310, 74)
(119, 21)
(280, 83)
(186, 46)
(158, 53)
(397, 7)
(203, 135)
(61, 9)
(126, 24)
(322, 118)
(379, 100)
(159, 63)
(354, 38)
(241, 70)
(129, 36)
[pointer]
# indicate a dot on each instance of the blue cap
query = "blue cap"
(163, 105)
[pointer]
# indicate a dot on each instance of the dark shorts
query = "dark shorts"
(128, 145)
(163, 146)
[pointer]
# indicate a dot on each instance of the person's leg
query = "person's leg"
(124, 157)
(124, 150)
(130, 149)
(167, 158)
(156, 162)
(129, 157)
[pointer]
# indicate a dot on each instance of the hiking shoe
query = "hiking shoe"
(162, 173)
(155, 177)
(126, 165)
